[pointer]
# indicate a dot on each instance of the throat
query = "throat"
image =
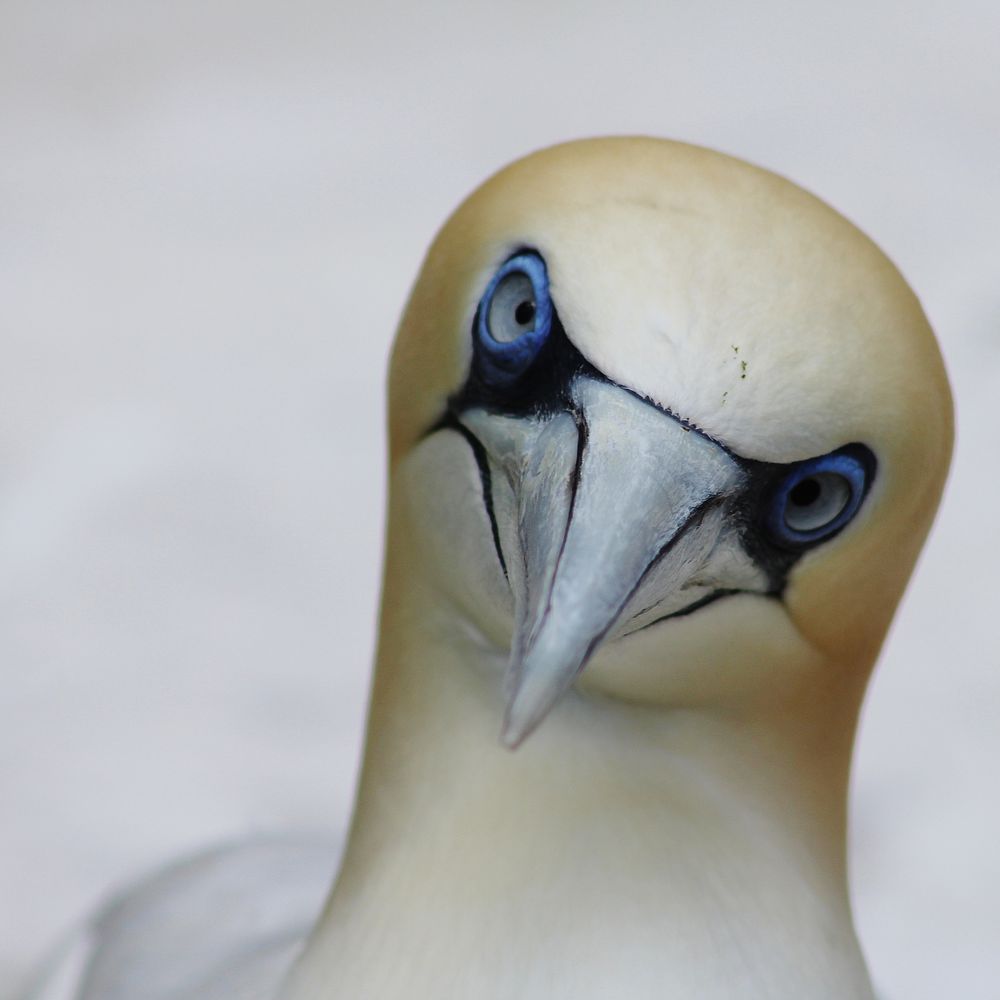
(619, 851)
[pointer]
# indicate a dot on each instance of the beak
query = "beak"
(613, 514)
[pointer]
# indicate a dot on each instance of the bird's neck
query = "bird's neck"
(620, 851)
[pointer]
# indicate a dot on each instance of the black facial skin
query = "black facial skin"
(544, 389)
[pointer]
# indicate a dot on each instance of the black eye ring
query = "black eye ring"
(514, 319)
(819, 496)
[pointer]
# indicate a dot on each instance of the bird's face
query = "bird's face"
(671, 425)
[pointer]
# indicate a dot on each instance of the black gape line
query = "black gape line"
(485, 479)
(693, 607)
(545, 389)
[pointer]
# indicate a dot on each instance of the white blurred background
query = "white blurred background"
(210, 214)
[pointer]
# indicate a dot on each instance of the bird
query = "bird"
(666, 436)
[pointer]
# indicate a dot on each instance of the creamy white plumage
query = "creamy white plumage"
(584, 503)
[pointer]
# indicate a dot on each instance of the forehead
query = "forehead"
(724, 293)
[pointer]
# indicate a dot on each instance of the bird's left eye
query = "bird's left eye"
(514, 319)
(816, 498)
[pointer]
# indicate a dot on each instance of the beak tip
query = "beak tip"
(535, 686)
(509, 741)
(526, 710)
(514, 732)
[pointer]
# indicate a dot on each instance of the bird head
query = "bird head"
(675, 429)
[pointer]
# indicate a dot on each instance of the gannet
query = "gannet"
(666, 435)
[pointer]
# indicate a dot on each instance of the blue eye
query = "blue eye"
(819, 496)
(514, 319)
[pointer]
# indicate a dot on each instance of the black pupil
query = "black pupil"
(525, 312)
(805, 493)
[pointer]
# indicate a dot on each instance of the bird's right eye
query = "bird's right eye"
(514, 319)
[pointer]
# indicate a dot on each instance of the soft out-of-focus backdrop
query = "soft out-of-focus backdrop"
(210, 214)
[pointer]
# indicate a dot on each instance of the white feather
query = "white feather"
(225, 925)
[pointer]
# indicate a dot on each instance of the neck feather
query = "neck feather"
(621, 851)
